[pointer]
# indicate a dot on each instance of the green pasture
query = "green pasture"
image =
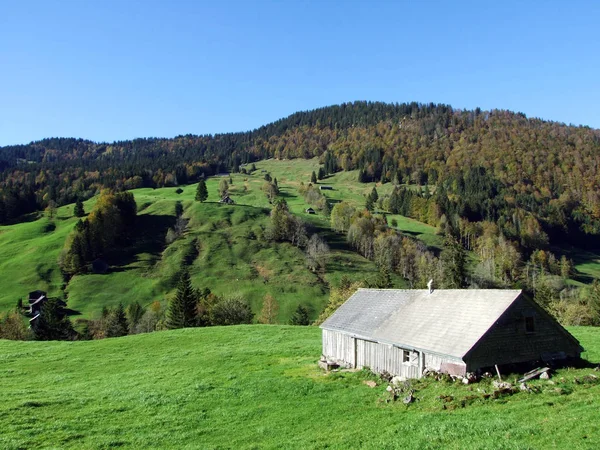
(258, 386)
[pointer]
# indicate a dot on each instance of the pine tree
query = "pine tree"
(395, 202)
(201, 192)
(116, 323)
(53, 324)
(300, 316)
(313, 178)
(322, 174)
(454, 263)
(374, 195)
(79, 210)
(369, 203)
(182, 308)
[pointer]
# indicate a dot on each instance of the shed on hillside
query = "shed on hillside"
(404, 332)
(35, 295)
(326, 188)
(227, 200)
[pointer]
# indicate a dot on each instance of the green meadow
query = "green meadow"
(258, 386)
(223, 247)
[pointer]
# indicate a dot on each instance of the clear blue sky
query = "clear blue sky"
(110, 70)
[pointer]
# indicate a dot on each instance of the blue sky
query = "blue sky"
(111, 70)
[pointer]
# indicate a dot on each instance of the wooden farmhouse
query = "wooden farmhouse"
(404, 332)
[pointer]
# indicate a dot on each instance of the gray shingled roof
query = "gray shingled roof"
(447, 321)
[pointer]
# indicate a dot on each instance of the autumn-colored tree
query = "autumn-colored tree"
(270, 310)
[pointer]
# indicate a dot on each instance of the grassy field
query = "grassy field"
(259, 387)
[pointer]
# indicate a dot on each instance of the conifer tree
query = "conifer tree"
(374, 195)
(300, 316)
(322, 173)
(53, 324)
(116, 322)
(201, 191)
(79, 211)
(182, 308)
(453, 259)
(313, 178)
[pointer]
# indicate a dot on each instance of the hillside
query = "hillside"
(223, 248)
(259, 387)
(490, 165)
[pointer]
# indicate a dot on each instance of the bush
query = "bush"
(231, 311)
(13, 327)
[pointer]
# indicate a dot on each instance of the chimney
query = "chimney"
(430, 286)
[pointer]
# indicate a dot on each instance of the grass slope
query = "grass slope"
(219, 247)
(222, 248)
(259, 387)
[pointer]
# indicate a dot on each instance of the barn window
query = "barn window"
(529, 324)
(405, 356)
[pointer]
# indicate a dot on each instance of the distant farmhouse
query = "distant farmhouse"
(37, 300)
(227, 200)
(310, 211)
(404, 332)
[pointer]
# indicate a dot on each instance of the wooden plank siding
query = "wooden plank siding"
(350, 351)
(509, 342)
(339, 347)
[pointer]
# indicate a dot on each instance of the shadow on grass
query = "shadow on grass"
(147, 236)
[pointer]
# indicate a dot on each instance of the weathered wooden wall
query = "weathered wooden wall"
(339, 347)
(509, 343)
(354, 352)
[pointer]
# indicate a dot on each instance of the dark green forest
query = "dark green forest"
(537, 180)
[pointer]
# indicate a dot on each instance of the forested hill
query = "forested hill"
(482, 165)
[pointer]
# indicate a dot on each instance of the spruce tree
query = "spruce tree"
(454, 261)
(116, 322)
(79, 211)
(53, 324)
(313, 178)
(201, 192)
(182, 308)
(322, 173)
(300, 316)
(374, 195)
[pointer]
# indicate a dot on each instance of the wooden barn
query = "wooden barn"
(404, 332)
